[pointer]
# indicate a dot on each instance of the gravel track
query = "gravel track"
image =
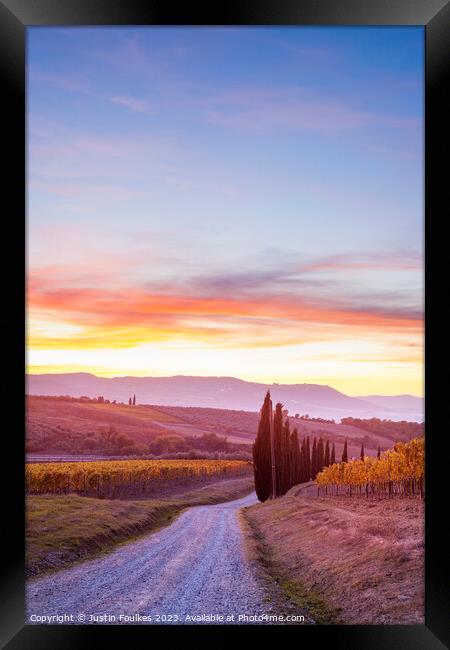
(194, 567)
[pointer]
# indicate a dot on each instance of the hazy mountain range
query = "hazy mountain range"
(229, 393)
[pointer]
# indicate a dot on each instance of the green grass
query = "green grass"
(62, 530)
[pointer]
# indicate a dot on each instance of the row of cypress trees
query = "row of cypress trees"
(293, 462)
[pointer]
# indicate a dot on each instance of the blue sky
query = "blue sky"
(247, 162)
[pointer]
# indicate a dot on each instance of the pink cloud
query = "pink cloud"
(390, 261)
(120, 306)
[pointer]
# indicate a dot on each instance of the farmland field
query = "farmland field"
(109, 479)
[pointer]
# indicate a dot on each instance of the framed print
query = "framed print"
(231, 229)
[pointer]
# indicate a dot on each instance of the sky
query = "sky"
(241, 202)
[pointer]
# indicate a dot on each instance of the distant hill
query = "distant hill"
(401, 403)
(228, 393)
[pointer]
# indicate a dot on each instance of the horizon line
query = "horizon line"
(273, 383)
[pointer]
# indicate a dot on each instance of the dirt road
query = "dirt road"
(194, 567)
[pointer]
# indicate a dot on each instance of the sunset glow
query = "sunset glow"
(239, 202)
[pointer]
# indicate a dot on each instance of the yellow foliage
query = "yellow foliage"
(406, 461)
(104, 476)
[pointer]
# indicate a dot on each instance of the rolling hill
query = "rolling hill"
(228, 393)
(66, 426)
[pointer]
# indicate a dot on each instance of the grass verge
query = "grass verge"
(284, 591)
(354, 561)
(64, 529)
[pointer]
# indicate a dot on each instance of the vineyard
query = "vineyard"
(398, 471)
(109, 479)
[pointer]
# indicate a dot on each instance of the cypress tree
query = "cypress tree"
(129, 401)
(286, 458)
(308, 460)
(333, 455)
(320, 456)
(262, 462)
(303, 464)
(379, 452)
(134, 400)
(278, 445)
(362, 451)
(295, 474)
(314, 460)
(300, 460)
(344, 453)
(326, 461)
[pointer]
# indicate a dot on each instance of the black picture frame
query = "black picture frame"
(15, 17)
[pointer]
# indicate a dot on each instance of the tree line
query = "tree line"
(403, 430)
(280, 460)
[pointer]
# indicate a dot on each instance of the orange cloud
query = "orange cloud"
(123, 317)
